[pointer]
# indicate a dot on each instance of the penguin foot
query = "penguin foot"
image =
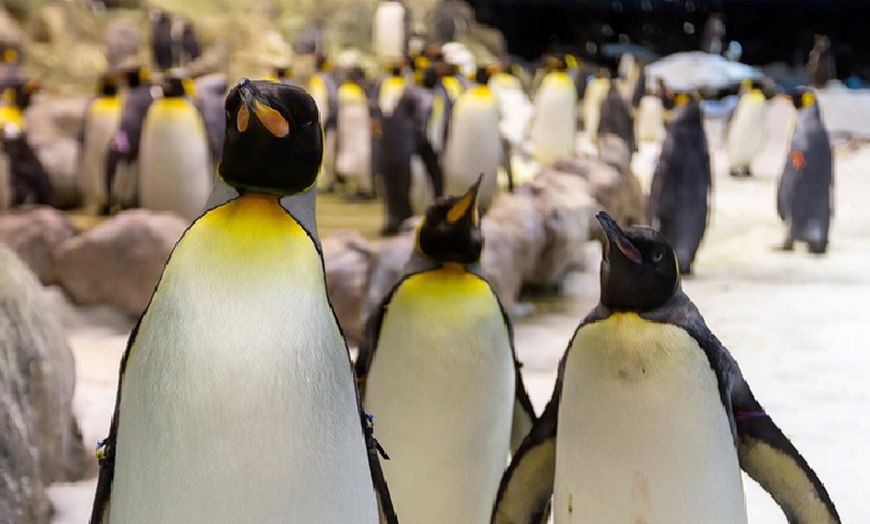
(390, 230)
(818, 248)
(740, 172)
(361, 196)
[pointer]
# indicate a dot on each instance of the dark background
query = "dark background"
(768, 30)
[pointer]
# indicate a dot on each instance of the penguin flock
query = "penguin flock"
(238, 400)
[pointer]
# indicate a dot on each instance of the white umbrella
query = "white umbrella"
(698, 70)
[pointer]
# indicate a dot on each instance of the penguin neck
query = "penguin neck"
(301, 206)
(418, 262)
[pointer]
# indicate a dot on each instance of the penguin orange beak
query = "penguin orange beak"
(255, 103)
(615, 237)
(467, 203)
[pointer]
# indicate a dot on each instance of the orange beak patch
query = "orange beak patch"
(271, 119)
(798, 160)
(242, 118)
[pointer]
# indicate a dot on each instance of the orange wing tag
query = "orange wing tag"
(798, 160)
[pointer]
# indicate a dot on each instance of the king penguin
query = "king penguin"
(553, 124)
(236, 401)
(682, 183)
(174, 162)
(651, 419)
(473, 143)
(100, 123)
(440, 375)
(746, 130)
(804, 197)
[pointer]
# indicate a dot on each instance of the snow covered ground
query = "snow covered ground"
(793, 321)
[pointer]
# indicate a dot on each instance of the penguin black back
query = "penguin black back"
(450, 231)
(273, 139)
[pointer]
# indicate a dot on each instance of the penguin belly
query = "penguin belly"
(389, 30)
(553, 128)
(596, 90)
(643, 435)
(174, 164)
(650, 122)
(746, 132)
(441, 388)
(473, 146)
(238, 402)
(102, 123)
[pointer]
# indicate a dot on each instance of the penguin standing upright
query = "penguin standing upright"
(211, 90)
(616, 131)
(746, 130)
(440, 375)
(122, 166)
(473, 143)
(353, 135)
(161, 39)
(682, 184)
(553, 125)
(390, 30)
(174, 166)
(596, 90)
(323, 86)
(651, 419)
(99, 125)
(236, 401)
(24, 179)
(805, 194)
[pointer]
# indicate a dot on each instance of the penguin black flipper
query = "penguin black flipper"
(771, 460)
(524, 413)
(106, 448)
(527, 485)
(764, 452)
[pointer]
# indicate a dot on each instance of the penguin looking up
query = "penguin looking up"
(236, 400)
(651, 419)
(438, 371)
(804, 195)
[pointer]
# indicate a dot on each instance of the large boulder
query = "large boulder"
(617, 192)
(347, 256)
(514, 237)
(34, 233)
(120, 261)
(40, 441)
(387, 267)
(567, 209)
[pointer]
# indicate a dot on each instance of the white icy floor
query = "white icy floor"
(793, 321)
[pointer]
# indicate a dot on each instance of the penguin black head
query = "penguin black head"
(107, 85)
(450, 231)
(639, 269)
(274, 142)
(174, 87)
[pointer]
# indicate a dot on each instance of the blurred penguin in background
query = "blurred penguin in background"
(805, 195)
(391, 29)
(175, 166)
(553, 125)
(449, 21)
(353, 144)
(473, 143)
(821, 65)
(746, 130)
(679, 200)
(188, 47)
(323, 87)
(596, 91)
(121, 159)
(161, 39)
(100, 123)
(24, 179)
(616, 142)
(211, 92)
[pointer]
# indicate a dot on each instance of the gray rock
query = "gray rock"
(514, 237)
(34, 233)
(347, 256)
(39, 437)
(564, 204)
(618, 193)
(59, 159)
(119, 261)
(122, 38)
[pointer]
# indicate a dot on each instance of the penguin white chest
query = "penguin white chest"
(643, 436)
(237, 402)
(441, 388)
